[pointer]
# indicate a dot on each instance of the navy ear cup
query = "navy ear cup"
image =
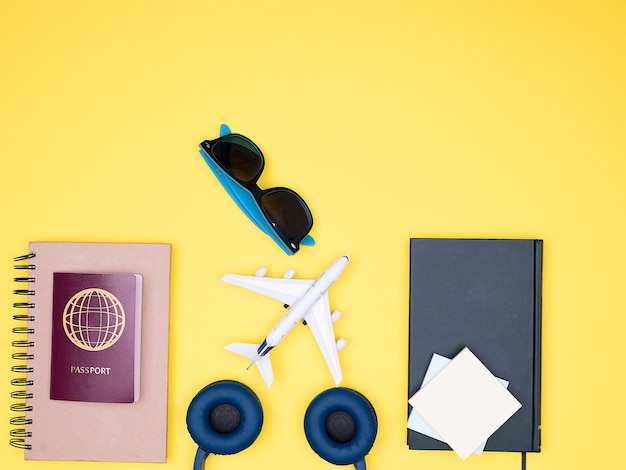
(341, 425)
(225, 417)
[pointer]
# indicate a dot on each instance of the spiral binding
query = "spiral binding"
(21, 393)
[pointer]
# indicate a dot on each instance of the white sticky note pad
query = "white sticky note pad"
(416, 422)
(419, 424)
(464, 403)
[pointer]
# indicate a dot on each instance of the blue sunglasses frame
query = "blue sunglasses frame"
(250, 206)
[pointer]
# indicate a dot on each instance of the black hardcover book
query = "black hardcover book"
(486, 295)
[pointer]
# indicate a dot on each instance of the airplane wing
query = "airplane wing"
(319, 320)
(286, 291)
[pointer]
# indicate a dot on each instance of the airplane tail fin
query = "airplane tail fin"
(263, 362)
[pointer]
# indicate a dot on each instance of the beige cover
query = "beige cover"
(66, 430)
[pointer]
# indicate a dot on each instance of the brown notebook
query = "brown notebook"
(84, 430)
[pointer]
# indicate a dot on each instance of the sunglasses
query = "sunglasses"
(280, 212)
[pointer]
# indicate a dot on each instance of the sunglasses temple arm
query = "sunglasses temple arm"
(224, 130)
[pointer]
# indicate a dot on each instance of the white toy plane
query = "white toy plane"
(308, 301)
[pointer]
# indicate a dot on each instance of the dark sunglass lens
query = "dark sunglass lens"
(287, 213)
(238, 157)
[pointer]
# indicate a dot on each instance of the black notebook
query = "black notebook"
(484, 295)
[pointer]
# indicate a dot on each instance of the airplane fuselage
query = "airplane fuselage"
(296, 312)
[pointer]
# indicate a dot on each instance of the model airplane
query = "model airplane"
(307, 300)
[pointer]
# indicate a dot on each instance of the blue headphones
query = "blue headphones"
(226, 417)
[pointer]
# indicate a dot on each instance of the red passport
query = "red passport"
(96, 337)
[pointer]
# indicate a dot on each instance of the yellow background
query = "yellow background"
(393, 119)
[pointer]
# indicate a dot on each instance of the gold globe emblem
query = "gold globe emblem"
(94, 319)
